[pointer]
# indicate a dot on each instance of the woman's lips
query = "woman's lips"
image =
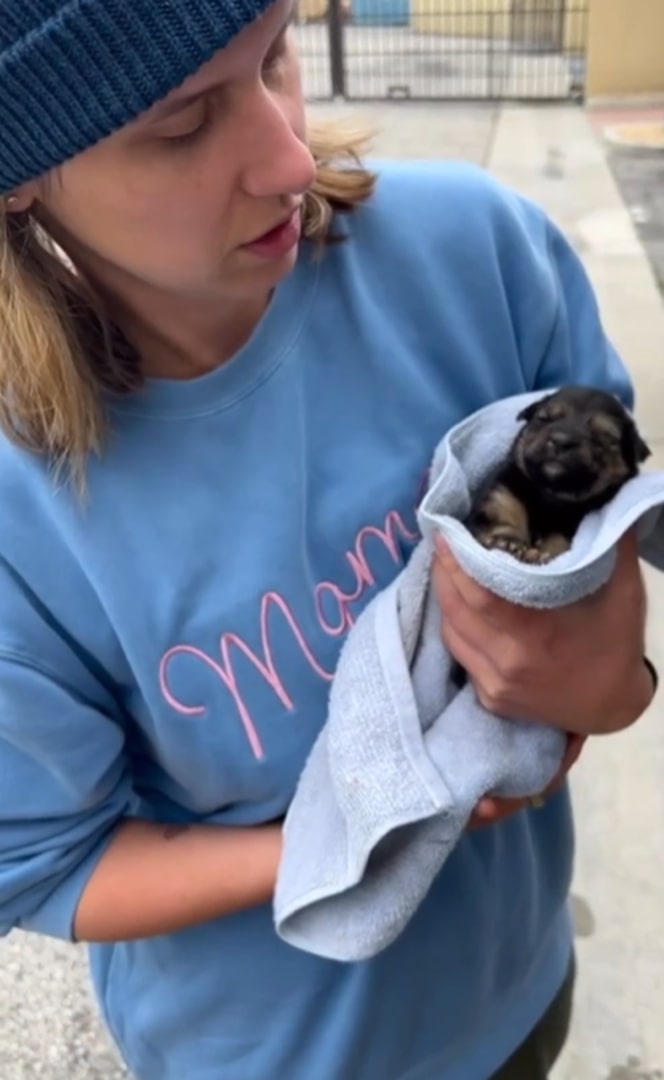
(278, 241)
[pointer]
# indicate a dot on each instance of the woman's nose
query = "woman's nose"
(278, 160)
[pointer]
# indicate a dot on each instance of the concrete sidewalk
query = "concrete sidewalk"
(48, 1028)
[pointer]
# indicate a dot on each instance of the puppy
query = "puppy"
(577, 447)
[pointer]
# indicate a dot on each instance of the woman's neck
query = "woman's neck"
(184, 339)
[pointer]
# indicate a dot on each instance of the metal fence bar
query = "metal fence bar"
(336, 39)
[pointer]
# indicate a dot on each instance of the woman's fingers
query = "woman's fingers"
(489, 811)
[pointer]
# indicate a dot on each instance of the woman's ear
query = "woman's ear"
(21, 199)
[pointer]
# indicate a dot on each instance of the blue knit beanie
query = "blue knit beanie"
(74, 71)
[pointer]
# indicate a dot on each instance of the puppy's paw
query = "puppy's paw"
(510, 544)
(537, 556)
(553, 546)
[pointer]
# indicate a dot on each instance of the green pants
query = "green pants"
(536, 1056)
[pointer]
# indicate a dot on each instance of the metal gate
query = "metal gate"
(490, 50)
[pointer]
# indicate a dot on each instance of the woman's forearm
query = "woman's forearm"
(157, 879)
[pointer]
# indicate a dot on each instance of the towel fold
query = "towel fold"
(404, 756)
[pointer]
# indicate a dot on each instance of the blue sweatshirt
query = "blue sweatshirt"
(166, 650)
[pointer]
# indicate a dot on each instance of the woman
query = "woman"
(209, 408)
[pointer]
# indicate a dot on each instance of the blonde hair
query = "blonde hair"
(58, 353)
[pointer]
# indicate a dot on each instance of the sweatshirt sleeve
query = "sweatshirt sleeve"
(577, 348)
(64, 785)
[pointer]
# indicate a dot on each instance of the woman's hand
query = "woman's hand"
(489, 811)
(578, 668)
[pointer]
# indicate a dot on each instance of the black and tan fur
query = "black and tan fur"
(577, 447)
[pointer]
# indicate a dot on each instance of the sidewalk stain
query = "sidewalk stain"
(554, 167)
(632, 1071)
(584, 925)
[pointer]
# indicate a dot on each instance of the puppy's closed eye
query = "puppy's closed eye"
(607, 427)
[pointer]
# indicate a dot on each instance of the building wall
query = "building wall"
(312, 9)
(538, 22)
(625, 48)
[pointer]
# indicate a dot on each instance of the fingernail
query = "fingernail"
(443, 547)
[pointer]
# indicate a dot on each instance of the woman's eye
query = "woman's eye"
(181, 138)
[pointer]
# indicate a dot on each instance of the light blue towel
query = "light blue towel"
(403, 757)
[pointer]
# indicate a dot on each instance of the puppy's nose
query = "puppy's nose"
(562, 440)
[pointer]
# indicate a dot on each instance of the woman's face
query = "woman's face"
(174, 199)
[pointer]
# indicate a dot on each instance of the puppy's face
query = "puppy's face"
(578, 444)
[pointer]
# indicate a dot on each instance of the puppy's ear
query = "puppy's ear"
(643, 451)
(636, 450)
(530, 410)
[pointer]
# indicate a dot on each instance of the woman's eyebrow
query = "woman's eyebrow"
(166, 109)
